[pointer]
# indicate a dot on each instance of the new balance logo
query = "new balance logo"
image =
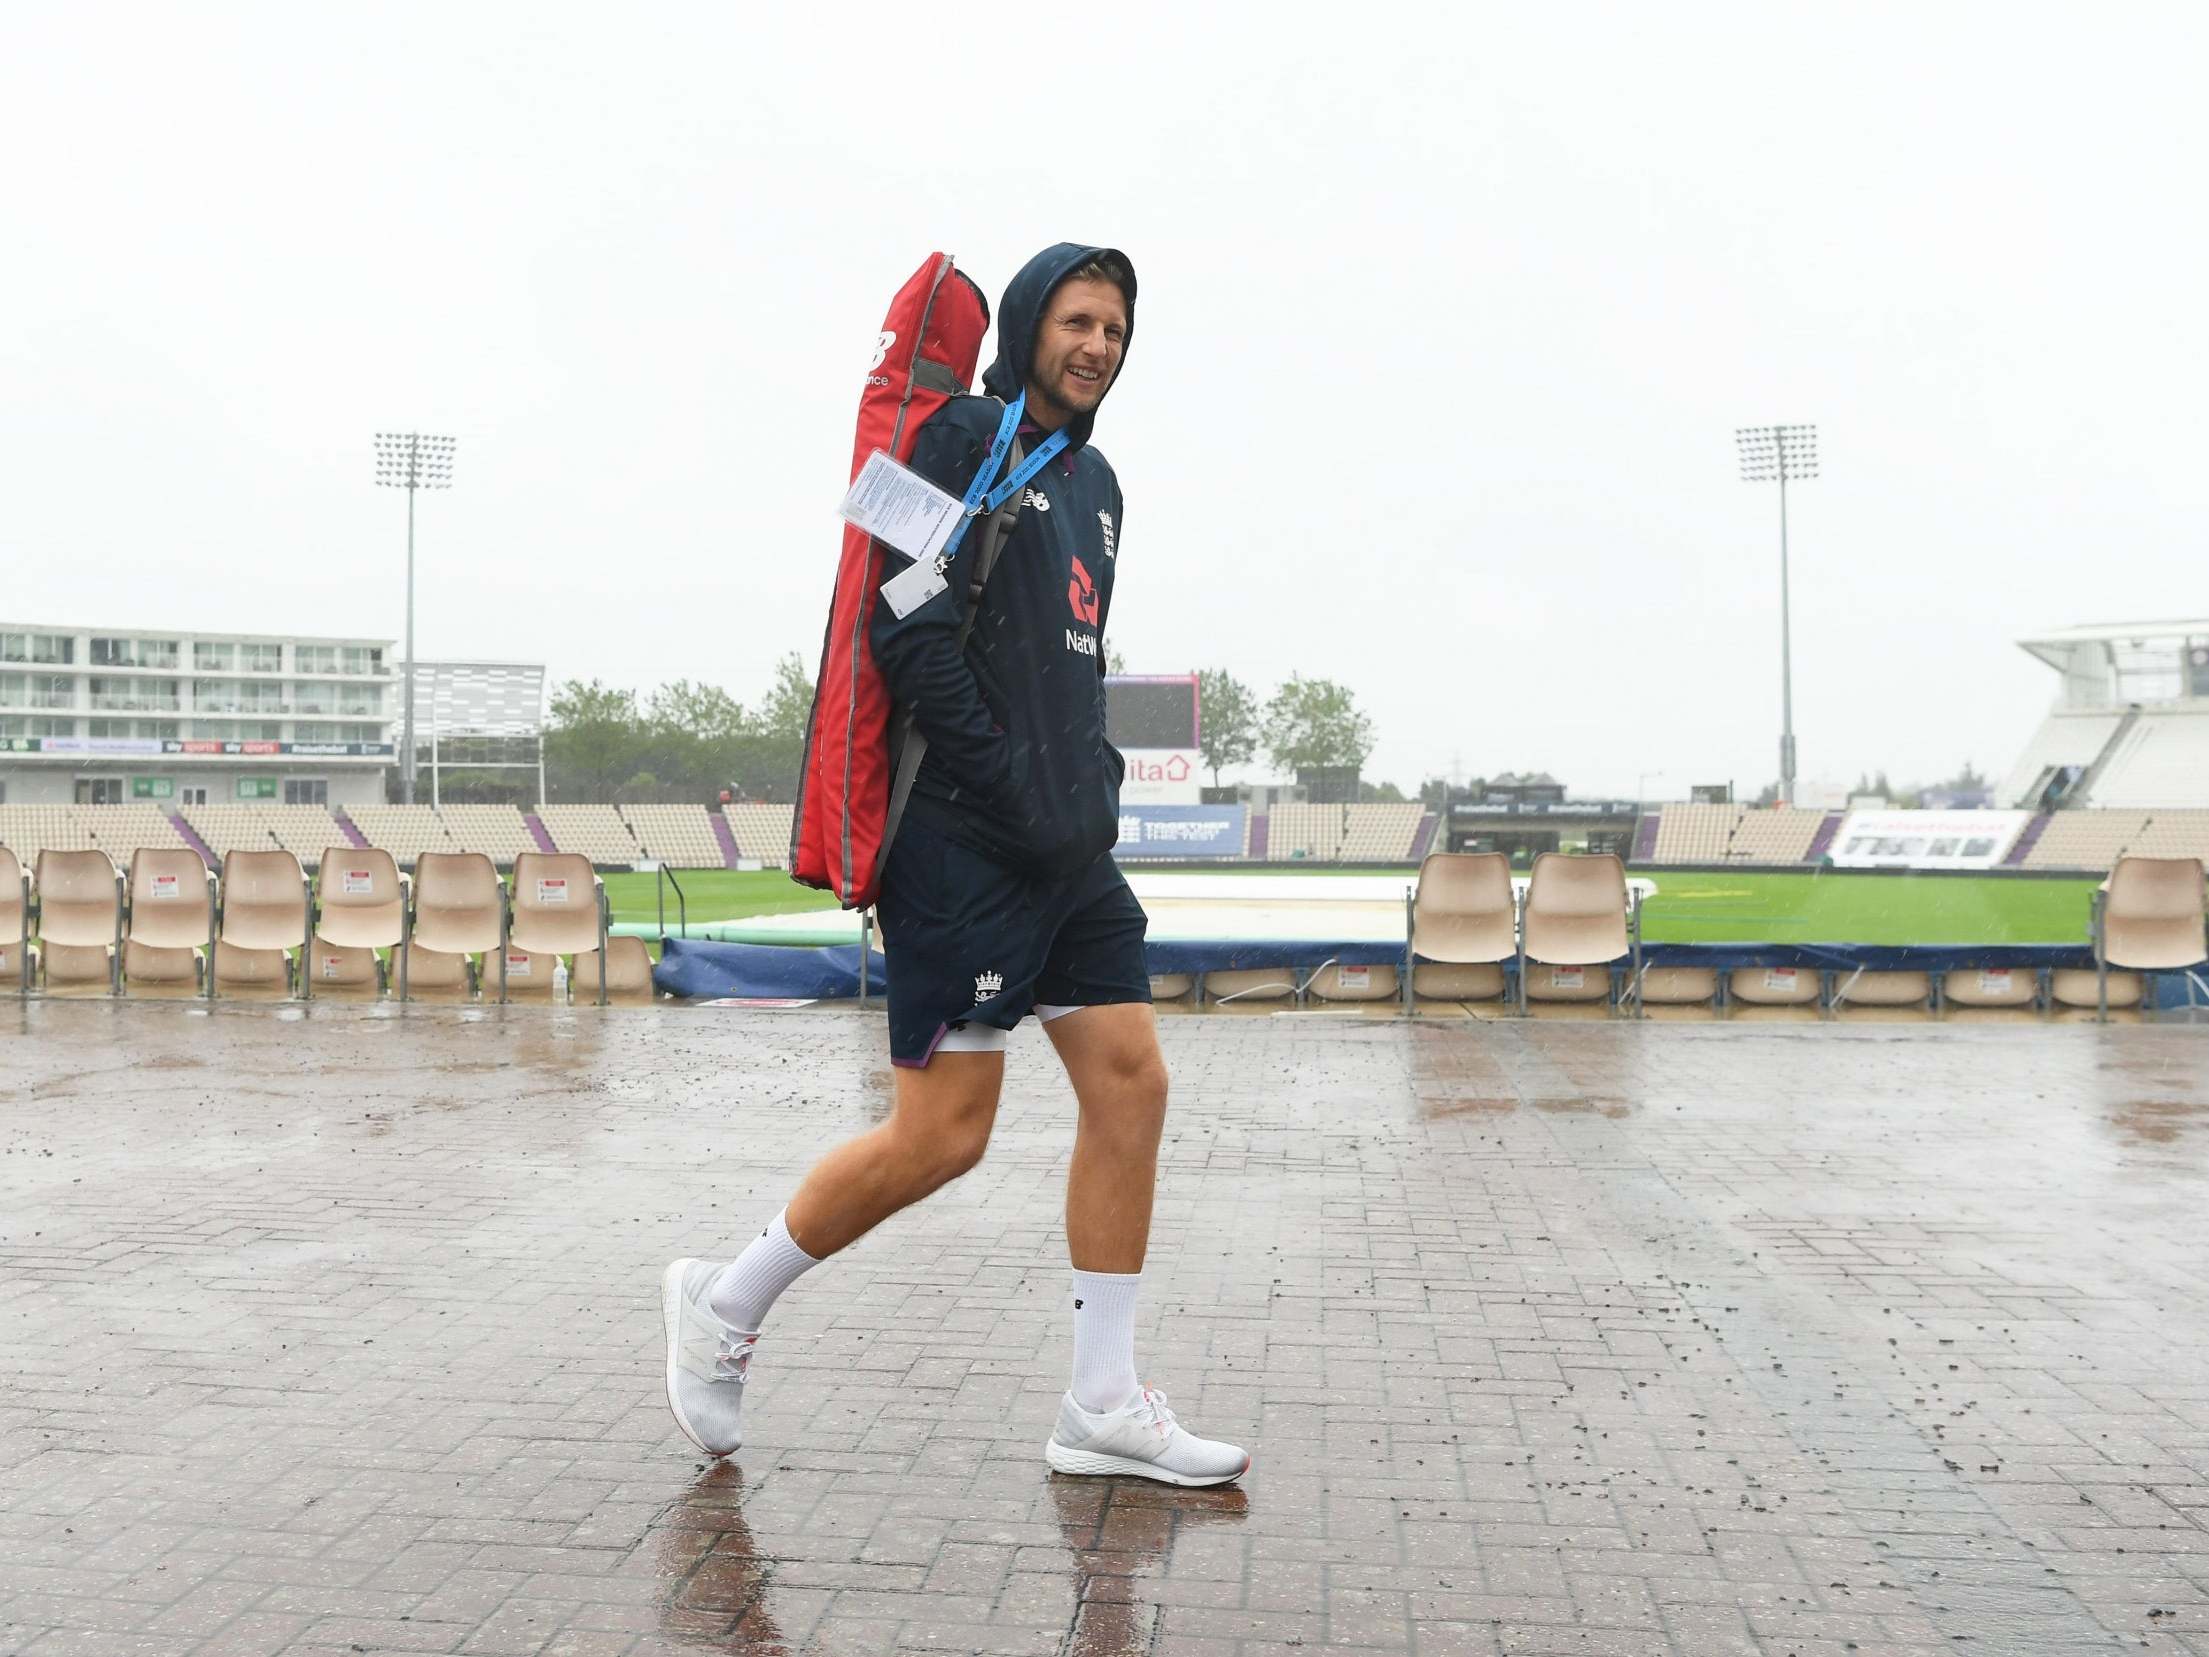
(1036, 499)
(1105, 518)
(987, 984)
(1077, 1303)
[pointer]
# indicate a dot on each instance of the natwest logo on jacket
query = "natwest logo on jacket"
(1081, 593)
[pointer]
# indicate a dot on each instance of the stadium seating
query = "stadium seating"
(1297, 832)
(1464, 924)
(172, 915)
(680, 835)
(149, 967)
(459, 909)
(1775, 986)
(1577, 919)
(1678, 986)
(1881, 989)
(529, 974)
(628, 972)
(337, 969)
(405, 831)
(2081, 987)
(2173, 834)
(2151, 915)
(360, 908)
(1781, 834)
(80, 917)
(264, 917)
(1334, 982)
(762, 832)
(593, 831)
(559, 906)
(28, 830)
(435, 974)
(497, 831)
(2090, 840)
(1695, 833)
(1991, 987)
(237, 828)
(15, 920)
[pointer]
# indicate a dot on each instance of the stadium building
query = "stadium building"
(2130, 725)
(108, 715)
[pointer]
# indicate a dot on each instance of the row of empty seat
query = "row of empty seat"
(2096, 839)
(1735, 834)
(454, 928)
(117, 830)
(1369, 833)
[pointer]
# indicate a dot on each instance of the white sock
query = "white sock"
(1104, 1339)
(749, 1284)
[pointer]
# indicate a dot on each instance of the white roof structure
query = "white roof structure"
(2130, 723)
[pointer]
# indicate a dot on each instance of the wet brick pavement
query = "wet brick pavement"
(337, 1333)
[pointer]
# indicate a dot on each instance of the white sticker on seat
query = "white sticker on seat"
(552, 891)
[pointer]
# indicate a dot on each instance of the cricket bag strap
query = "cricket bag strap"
(912, 745)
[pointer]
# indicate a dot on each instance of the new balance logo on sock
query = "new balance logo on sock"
(1077, 1305)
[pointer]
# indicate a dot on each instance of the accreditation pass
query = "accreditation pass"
(896, 504)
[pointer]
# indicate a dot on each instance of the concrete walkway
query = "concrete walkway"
(334, 1330)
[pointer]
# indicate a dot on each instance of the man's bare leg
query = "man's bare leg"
(938, 1129)
(1110, 1424)
(1119, 1075)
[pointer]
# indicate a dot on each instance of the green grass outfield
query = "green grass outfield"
(1725, 906)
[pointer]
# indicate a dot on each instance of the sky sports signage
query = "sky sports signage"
(142, 747)
(1180, 831)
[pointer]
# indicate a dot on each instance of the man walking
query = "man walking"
(1001, 898)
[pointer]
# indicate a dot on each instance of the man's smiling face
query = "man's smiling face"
(1077, 349)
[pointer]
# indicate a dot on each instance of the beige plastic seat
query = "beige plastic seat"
(15, 920)
(559, 906)
(1463, 914)
(341, 969)
(1991, 987)
(459, 909)
(2149, 916)
(264, 913)
(1172, 986)
(528, 976)
(1678, 986)
(436, 974)
(1577, 914)
(628, 972)
(2152, 914)
(80, 908)
(1450, 981)
(1335, 982)
(1774, 986)
(2076, 987)
(243, 967)
(75, 965)
(361, 907)
(152, 966)
(1243, 984)
(172, 916)
(1881, 989)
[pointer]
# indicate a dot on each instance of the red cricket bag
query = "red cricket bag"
(924, 357)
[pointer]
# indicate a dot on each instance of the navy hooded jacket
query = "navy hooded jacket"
(1017, 764)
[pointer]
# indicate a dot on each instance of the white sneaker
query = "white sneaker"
(1140, 1439)
(707, 1361)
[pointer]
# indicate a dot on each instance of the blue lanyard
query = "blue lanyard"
(981, 499)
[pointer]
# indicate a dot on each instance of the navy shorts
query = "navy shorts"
(974, 944)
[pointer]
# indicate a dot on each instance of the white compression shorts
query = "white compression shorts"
(987, 1038)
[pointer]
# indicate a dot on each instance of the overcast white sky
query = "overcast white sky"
(1448, 316)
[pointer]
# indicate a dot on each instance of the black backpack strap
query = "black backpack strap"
(911, 745)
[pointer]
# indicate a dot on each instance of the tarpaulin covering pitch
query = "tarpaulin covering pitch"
(700, 970)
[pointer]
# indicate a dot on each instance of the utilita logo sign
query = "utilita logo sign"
(1172, 768)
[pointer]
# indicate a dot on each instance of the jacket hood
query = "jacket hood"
(1019, 312)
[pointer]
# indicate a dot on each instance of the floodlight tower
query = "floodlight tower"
(1781, 454)
(411, 461)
